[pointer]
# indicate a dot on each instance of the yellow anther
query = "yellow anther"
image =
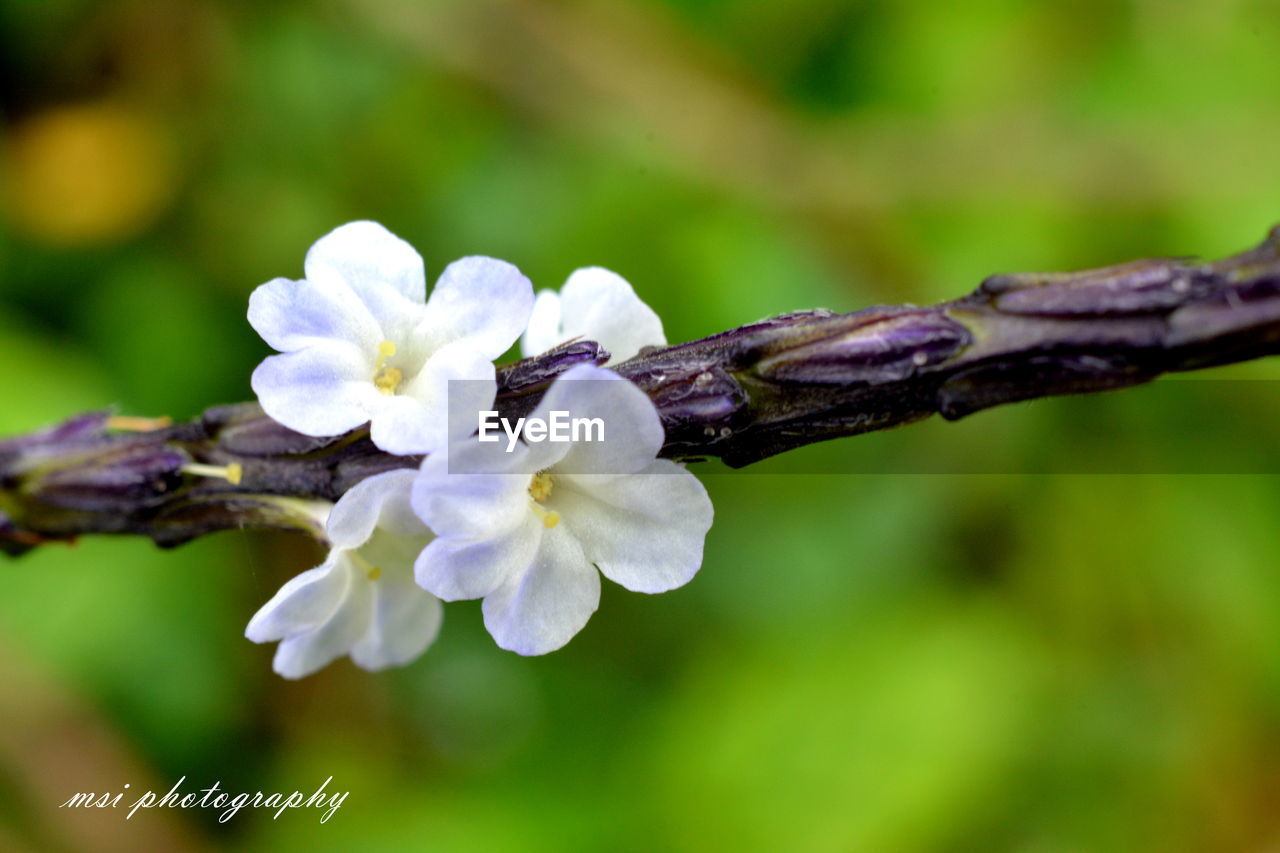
(388, 379)
(540, 487)
(374, 573)
(130, 423)
(386, 349)
(232, 473)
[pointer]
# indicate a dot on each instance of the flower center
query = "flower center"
(540, 486)
(386, 379)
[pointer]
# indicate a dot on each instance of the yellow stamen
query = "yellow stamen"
(131, 423)
(540, 489)
(372, 572)
(387, 379)
(550, 518)
(232, 473)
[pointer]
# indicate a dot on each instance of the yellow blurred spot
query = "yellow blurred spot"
(87, 174)
(374, 573)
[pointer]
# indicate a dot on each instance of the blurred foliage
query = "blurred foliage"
(884, 661)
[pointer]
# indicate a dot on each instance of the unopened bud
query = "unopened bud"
(131, 477)
(872, 346)
(542, 369)
(1139, 287)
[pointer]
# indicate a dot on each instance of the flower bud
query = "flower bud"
(542, 369)
(17, 454)
(1139, 287)
(697, 407)
(131, 477)
(873, 346)
(252, 433)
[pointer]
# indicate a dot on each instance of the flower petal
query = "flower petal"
(378, 501)
(456, 569)
(405, 621)
(319, 390)
(290, 315)
(359, 254)
(395, 553)
(633, 433)
(442, 400)
(644, 531)
(410, 424)
(305, 602)
(542, 609)
(544, 330)
(600, 305)
(455, 384)
(482, 302)
(404, 426)
(381, 270)
(305, 653)
(469, 506)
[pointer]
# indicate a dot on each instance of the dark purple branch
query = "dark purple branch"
(741, 395)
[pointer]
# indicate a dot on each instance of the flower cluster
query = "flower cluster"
(528, 526)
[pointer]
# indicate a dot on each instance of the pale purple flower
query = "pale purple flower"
(529, 533)
(361, 342)
(362, 600)
(595, 304)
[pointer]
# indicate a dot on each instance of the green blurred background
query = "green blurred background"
(880, 662)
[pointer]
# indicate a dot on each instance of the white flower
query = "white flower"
(595, 304)
(362, 600)
(360, 341)
(525, 535)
